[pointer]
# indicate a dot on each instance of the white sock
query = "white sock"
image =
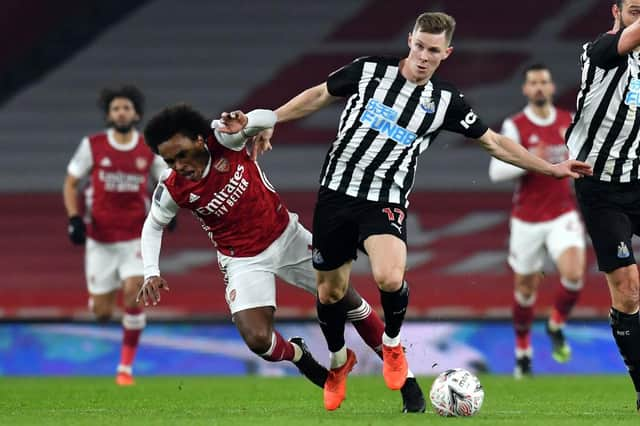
(390, 341)
(125, 369)
(339, 358)
(554, 326)
(524, 352)
(297, 352)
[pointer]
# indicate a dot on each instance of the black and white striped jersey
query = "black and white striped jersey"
(386, 123)
(604, 132)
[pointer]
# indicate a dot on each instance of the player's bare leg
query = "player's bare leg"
(526, 287)
(571, 267)
(256, 328)
(332, 314)
(103, 305)
(388, 257)
(133, 322)
(624, 287)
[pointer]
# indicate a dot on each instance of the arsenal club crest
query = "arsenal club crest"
(221, 165)
(141, 163)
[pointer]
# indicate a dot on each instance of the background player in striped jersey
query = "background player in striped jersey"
(394, 110)
(256, 237)
(605, 133)
(543, 219)
(117, 163)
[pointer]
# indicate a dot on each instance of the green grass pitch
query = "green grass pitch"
(557, 400)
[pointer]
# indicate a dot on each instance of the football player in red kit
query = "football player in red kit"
(544, 218)
(256, 237)
(117, 164)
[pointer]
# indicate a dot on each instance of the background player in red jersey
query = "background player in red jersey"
(543, 219)
(256, 237)
(117, 163)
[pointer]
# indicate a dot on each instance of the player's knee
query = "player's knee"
(526, 285)
(102, 315)
(525, 296)
(573, 280)
(259, 341)
(389, 279)
(626, 304)
(329, 293)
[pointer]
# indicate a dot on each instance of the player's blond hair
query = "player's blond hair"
(436, 23)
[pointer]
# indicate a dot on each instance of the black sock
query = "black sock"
(395, 307)
(332, 318)
(626, 333)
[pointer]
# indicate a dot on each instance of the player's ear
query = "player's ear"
(409, 37)
(448, 51)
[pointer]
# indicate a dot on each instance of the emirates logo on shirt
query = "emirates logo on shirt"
(141, 163)
(221, 165)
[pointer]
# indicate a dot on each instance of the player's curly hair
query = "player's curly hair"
(127, 91)
(180, 118)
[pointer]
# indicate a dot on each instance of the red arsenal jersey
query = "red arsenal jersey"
(234, 202)
(538, 197)
(118, 192)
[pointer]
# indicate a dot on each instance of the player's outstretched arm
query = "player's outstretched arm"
(305, 103)
(150, 242)
(629, 39)
(505, 149)
(233, 129)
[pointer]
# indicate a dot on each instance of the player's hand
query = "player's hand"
(77, 230)
(150, 290)
(232, 122)
(571, 168)
(261, 143)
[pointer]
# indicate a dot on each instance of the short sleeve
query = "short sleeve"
(82, 160)
(460, 118)
(604, 51)
(344, 81)
(510, 130)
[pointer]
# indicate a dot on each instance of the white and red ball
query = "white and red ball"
(456, 392)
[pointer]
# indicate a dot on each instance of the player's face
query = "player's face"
(122, 114)
(538, 87)
(187, 157)
(426, 52)
(630, 12)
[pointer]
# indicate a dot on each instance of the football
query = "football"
(456, 392)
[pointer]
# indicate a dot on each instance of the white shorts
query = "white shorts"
(251, 281)
(529, 241)
(106, 265)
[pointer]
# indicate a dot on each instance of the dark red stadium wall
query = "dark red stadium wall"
(43, 273)
(39, 35)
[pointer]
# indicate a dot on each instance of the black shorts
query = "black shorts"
(341, 223)
(611, 213)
